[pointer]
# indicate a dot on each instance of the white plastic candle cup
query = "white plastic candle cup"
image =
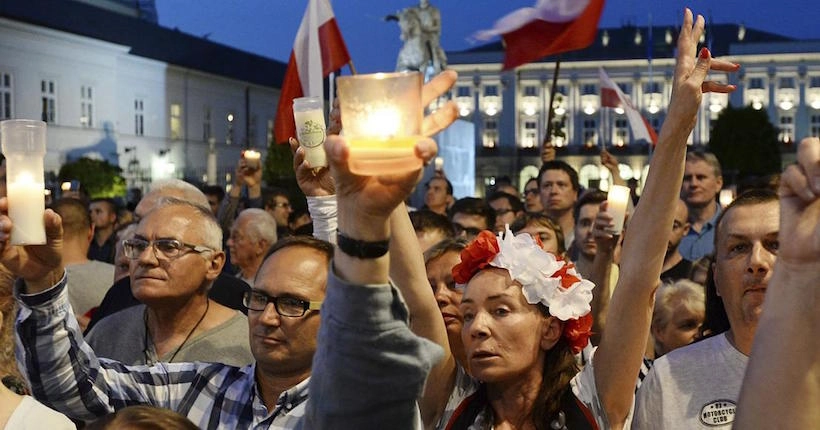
(24, 145)
(309, 116)
(382, 116)
(726, 197)
(617, 199)
(252, 159)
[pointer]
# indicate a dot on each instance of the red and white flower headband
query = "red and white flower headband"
(544, 279)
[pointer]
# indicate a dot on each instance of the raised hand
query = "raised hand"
(312, 181)
(39, 265)
(799, 191)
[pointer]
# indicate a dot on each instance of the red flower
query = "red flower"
(577, 332)
(476, 256)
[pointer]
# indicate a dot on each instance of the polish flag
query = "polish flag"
(550, 27)
(613, 97)
(317, 51)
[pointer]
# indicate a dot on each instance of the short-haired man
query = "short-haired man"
(253, 232)
(506, 207)
(532, 197)
(176, 254)
(676, 267)
(697, 386)
(215, 194)
(702, 181)
(559, 187)
(104, 217)
(430, 227)
(470, 215)
(93, 276)
(584, 245)
(277, 204)
(438, 195)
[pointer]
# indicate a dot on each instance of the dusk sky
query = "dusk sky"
(267, 27)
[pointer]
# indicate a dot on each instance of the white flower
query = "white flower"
(534, 268)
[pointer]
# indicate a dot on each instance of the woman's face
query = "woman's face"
(683, 328)
(549, 242)
(502, 333)
(448, 297)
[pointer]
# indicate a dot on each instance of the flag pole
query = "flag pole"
(550, 110)
(352, 68)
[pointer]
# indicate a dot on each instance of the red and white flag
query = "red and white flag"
(317, 51)
(550, 27)
(613, 97)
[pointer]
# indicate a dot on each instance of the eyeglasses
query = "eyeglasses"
(502, 211)
(533, 191)
(469, 231)
(281, 205)
(285, 306)
(168, 248)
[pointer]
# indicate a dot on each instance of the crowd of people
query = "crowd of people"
(230, 310)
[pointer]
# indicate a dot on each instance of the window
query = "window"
(139, 117)
(530, 134)
(206, 124)
(48, 93)
(86, 106)
(491, 90)
(463, 91)
(786, 134)
(589, 132)
(814, 126)
(756, 83)
(651, 87)
(625, 87)
(5, 96)
(621, 132)
(587, 89)
(490, 135)
(786, 82)
(530, 91)
(176, 121)
(814, 82)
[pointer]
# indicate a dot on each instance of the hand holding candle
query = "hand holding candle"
(617, 199)
(24, 145)
(309, 116)
(252, 159)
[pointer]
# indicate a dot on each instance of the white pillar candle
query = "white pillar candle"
(617, 199)
(252, 158)
(726, 197)
(309, 117)
(26, 207)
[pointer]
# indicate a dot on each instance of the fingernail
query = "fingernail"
(704, 52)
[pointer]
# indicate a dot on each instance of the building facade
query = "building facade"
(156, 102)
(510, 109)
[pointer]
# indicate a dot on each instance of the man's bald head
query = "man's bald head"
(174, 188)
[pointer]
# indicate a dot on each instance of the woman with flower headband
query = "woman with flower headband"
(526, 312)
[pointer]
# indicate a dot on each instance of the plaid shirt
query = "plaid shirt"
(368, 370)
(66, 375)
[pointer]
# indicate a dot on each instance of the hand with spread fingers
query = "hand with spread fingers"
(39, 265)
(800, 207)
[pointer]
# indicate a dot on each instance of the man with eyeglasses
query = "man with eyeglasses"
(470, 215)
(532, 197)
(278, 205)
(176, 254)
(506, 207)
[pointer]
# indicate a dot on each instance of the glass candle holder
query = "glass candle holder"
(24, 145)
(382, 116)
(617, 199)
(252, 159)
(309, 116)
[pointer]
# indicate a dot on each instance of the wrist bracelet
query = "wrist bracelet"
(360, 248)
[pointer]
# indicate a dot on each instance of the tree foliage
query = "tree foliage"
(745, 142)
(99, 178)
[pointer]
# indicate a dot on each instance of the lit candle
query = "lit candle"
(617, 199)
(726, 197)
(252, 158)
(27, 202)
(382, 115)
(24, 145)
(309, 117)
(439, 164)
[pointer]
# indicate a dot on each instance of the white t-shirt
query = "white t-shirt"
(694, 387)
(33, 415)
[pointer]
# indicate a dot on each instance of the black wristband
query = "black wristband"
(360, 248)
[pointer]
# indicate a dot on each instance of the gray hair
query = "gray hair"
(260, 226)
(691, 294)
(211, 232)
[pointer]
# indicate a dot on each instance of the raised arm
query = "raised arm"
(618, 359)
(784, 368)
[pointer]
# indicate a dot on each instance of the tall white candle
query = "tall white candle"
(616, 205)
(26, 207)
